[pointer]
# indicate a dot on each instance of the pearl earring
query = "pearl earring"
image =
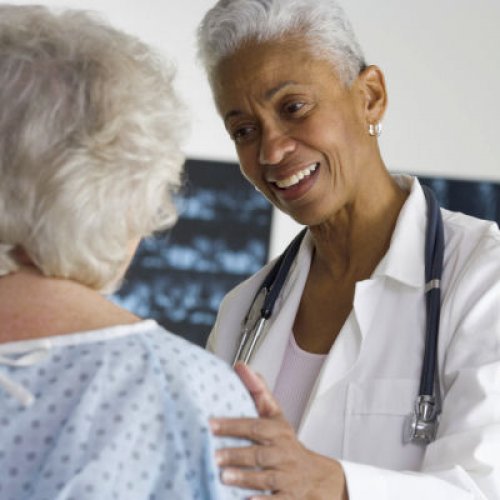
(375, 129)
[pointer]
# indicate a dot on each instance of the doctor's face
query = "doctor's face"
(300, 134)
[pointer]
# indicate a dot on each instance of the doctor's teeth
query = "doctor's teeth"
(290, 181)
(296, 178)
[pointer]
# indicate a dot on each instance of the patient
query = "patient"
(95, 403)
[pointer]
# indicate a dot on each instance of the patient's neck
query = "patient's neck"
(34, 306)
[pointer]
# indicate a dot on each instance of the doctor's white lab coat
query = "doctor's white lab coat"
(370, 378)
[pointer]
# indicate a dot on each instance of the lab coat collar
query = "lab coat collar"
(404, 261)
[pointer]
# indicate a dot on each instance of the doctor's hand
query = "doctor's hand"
(276, 461)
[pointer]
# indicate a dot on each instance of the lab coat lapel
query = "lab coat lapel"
(268, 357)
(346, 348)
(341, 360)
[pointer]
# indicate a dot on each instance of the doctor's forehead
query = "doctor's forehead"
(262, 70)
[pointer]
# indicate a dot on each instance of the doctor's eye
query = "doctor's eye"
(293, 107)
(242, 134)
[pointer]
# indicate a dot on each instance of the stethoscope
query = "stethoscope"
(421, 426)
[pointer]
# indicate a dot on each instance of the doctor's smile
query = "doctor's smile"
(296, 178)
(291, 187)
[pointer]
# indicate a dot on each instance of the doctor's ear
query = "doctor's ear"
(371, 84)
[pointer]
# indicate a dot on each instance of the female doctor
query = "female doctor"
(342, 352)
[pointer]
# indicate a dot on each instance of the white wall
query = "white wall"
(441, 61)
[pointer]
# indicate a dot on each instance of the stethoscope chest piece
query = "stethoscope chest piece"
(421, 426)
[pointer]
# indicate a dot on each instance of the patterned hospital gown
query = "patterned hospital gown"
(119, 413)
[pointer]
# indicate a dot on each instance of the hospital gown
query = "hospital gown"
(119, 413)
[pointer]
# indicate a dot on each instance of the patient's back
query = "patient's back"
(116, 413)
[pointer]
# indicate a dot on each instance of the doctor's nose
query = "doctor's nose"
(275, 145)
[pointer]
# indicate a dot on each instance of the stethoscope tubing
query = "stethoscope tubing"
(277, 281)
(434, 254)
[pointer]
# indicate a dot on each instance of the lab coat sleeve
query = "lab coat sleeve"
(464, 461)
(211, 339)
(225, 332)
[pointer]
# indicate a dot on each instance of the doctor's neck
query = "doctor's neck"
(356, 237)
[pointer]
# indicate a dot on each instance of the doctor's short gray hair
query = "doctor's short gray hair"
(323, 23)
(90, 131)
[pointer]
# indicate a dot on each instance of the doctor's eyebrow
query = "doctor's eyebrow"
(269, 94)
(273, 91)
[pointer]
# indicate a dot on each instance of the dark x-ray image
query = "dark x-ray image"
(478, 198)
(179, 278)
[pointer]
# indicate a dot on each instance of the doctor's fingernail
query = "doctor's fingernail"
(229, 476)
(219, 458)
(214, 425)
